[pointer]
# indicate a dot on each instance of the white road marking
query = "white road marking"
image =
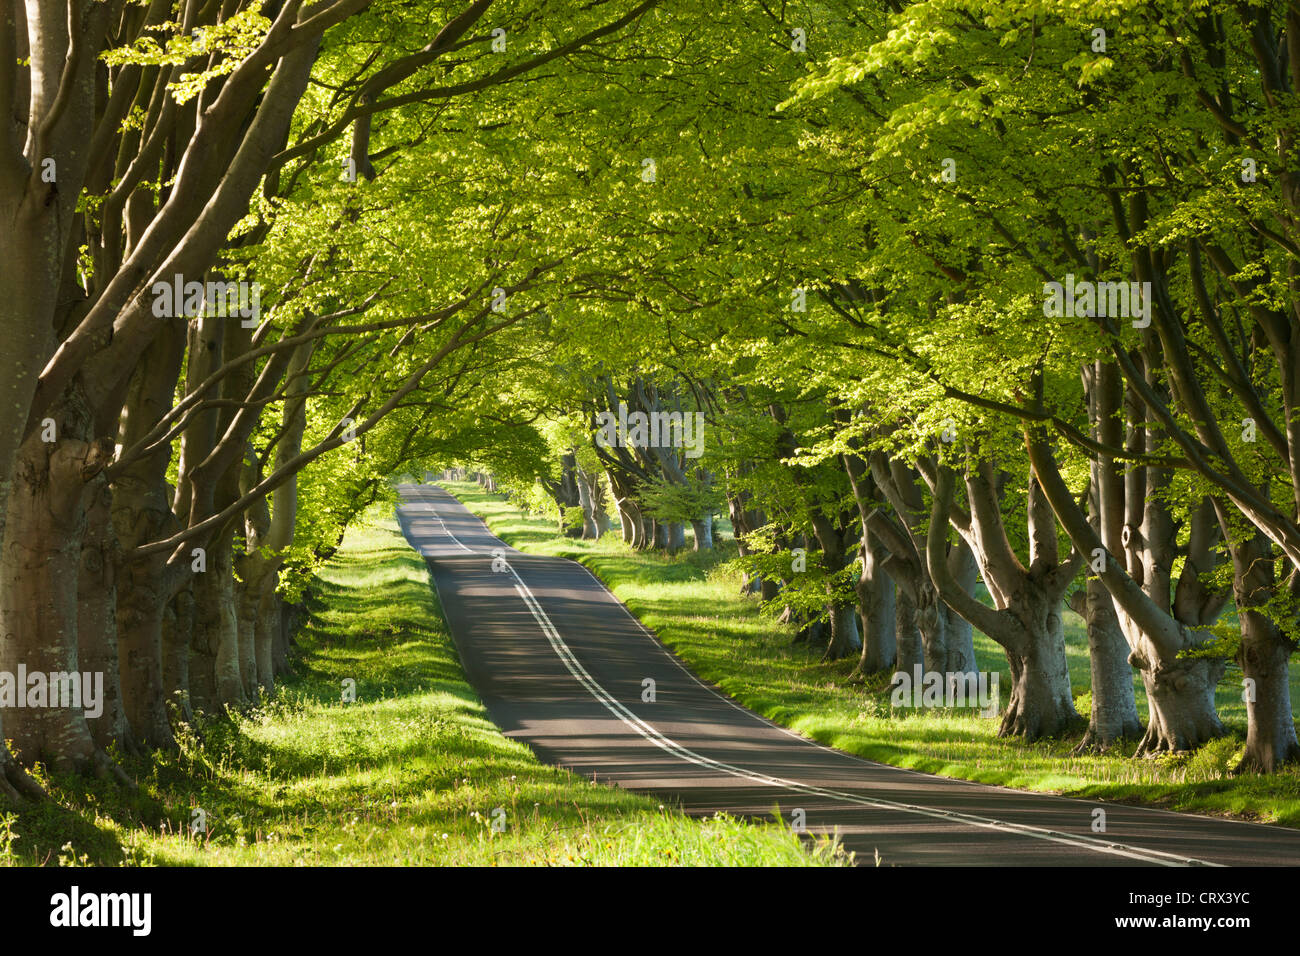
(619, 710)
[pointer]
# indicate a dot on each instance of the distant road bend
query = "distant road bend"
(559, 662)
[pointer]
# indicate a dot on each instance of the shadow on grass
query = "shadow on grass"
(695, 607)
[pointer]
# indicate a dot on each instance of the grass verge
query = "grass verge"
(693, 604)
(411, 773)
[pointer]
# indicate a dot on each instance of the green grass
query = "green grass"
(695, 607)
(409, 774)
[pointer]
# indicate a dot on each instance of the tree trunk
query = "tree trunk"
(27, 282)
(1133, 538)
(745, 520)
(1264, 655)
(703, 528)
(676, 534)
(141, 514)
(177, 635)
(910, 648)
(629, 521)
(257, 566)
(564, 491)
(246, 613)
(1270, 734)
(586, 501)
(844, 639)
(875, 590)
(959, 636)
(1114, 715)
(97, 619)
(1027, 620)
(248, 601)
(932, 622)
(1180, 695)
(1041, 704)
(39, 572)
(31, 244)
(214, 671)
(659, 534)
(282, 636)
(268, 627)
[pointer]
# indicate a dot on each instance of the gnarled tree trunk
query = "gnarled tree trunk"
(1264, 656)
(39, 574)
(97, 619)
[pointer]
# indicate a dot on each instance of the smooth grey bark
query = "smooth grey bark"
(214, 672)
(1113, 716)
(222, 662)
(633, 524)
(675, 535)
(272, 642)
(834, 539)
(631, 520)
(587, 502)
(177, 626)
(565, 492)
(911, 648)
(703, 532)
(629, 523)
(141, 511)
(44, 118)
(959, 639)
(1026, 618)
(744, 521)
(876, 604)
(1264, 656)
(844, 637)
(904, 536)
(1180, 692)
(666, 463)
(874, 587)
(256, 568)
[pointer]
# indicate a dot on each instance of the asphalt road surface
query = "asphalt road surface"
(561, 665)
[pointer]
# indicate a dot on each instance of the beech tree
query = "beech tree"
(965, 294)
(137, 144)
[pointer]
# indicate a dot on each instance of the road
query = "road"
(560, 664)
